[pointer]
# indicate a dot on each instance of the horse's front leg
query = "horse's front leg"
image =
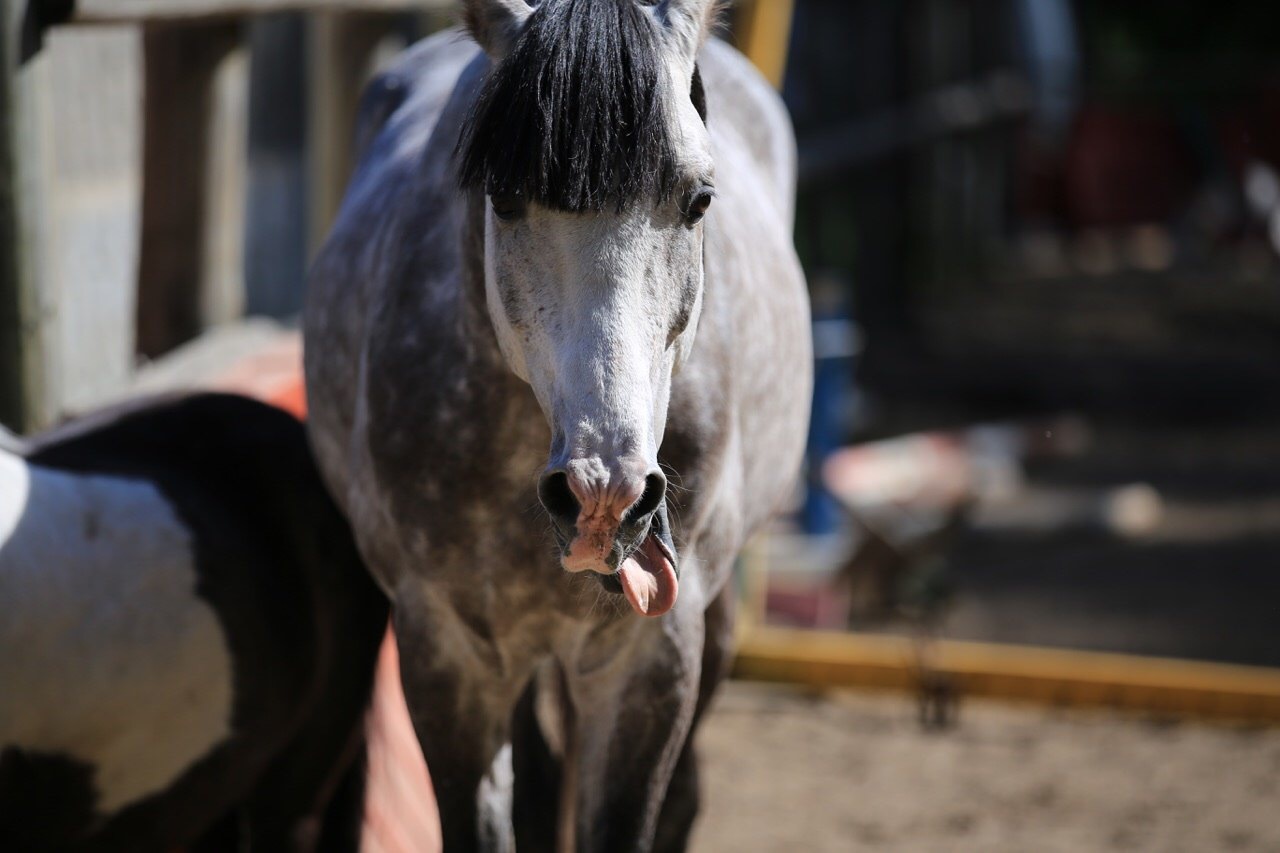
(675, 822)
(460, 702)
(631, 720)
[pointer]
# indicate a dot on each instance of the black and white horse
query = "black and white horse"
(530, 296)
(187, 636)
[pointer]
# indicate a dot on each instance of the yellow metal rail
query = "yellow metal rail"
(1048, 676)
(763, 34)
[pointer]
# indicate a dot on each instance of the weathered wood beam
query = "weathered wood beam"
(340, 54)
(181, 61)
(122, 11)
(22, 345)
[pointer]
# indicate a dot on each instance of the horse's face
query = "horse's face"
(596, 312)
(596, 309)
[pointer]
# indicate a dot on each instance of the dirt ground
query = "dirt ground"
(789, 771)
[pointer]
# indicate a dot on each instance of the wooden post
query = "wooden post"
(22, 324)
(275, 261)
(223, 288)
(339, 58)
(181, 61)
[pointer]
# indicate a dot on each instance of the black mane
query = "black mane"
(574, 117)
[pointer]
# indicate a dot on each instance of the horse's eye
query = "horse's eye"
(507, 206)
(699, 201)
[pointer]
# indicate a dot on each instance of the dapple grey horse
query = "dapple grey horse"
(529, 297)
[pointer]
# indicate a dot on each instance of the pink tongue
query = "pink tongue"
(649, 580)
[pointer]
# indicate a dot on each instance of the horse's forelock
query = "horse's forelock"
(575, 117)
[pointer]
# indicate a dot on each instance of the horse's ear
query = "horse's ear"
(496, 24)
(689, 21)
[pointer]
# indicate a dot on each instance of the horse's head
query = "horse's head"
(589, 143)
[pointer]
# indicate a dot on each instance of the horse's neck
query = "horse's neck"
(472, 304)
(472, 391)
(451, 265)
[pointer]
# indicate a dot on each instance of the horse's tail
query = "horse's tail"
(324, 768)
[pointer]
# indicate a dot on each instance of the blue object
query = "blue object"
(835, 347)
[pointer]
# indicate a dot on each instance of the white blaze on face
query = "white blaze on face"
(595, 311)
(107, 655)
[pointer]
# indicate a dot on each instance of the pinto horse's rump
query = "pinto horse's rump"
(187, 635)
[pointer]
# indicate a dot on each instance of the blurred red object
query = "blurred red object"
(1126, 167)
(400, 808)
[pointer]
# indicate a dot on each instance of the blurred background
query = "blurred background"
(1042, 239)
(1043, 245)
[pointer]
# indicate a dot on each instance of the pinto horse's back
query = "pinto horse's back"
(187, 634)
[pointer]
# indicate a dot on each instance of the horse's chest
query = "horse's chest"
(107, 654)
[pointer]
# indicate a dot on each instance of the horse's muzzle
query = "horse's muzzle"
(628, 545)
(601, 515)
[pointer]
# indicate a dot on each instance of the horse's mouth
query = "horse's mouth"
(647, 577)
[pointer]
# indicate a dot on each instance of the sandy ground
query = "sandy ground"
(788, 771)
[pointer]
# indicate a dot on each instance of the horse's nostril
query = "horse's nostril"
(557, 498)
(655, 491)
